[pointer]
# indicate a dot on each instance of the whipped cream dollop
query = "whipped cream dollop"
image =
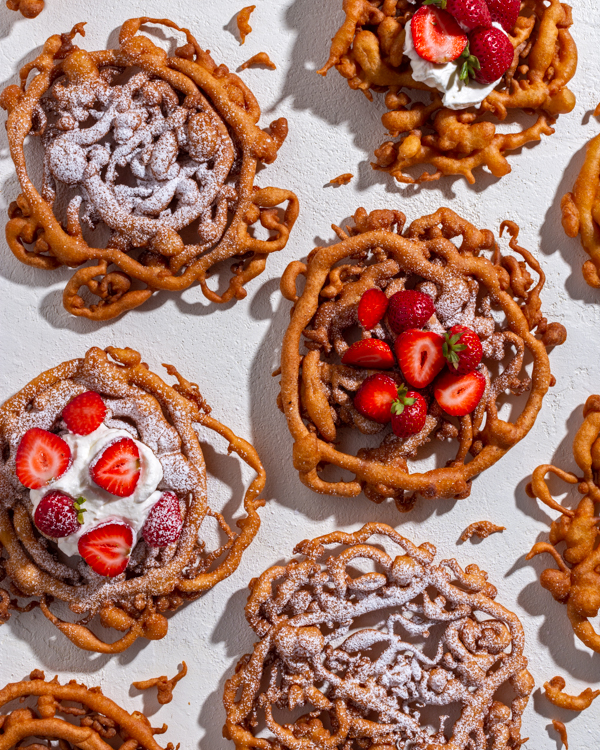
(100, 505)
(445, 77)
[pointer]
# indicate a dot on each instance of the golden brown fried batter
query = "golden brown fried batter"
(342, 179)
(581, 210)
(576, 582)
(95, 722)
(167, 171)
(554, 691)
(28, 8)
(322, 677)
(158, 580)
(368, 51)
(562, 731)
(242, 20)
(444, 256)
(482, 529)
(164, 685)
(260, 58)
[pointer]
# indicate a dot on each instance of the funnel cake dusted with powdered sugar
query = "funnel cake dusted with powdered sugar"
(358, 648)
(465, 287)
(158, 152)
(104, 502)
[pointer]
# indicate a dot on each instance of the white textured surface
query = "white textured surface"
(232, 350)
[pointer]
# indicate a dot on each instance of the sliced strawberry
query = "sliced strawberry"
(41, 458)
(106, 548)
(436, 35)
(58, 514)
(505, 12)
(420, 356)
(117, 469)
(164, 523)
(462, 349)
(459, 394)
(371, 308)
(375, 397)
(84, 413)
(409, 309)
(409, 412)
(370, 353)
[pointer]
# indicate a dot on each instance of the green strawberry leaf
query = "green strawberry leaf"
(438, 3)
(470, 65)
(80, 511)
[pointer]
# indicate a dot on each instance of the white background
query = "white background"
(231, 351)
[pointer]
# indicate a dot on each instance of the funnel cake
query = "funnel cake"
(156, 578)
(575, 582)
(581, 210)
(378, 659)
(368, 50)
(160, 152)
(28, 8)
(93, 722)
(466, 288)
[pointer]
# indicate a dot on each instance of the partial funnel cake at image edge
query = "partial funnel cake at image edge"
(148, 172)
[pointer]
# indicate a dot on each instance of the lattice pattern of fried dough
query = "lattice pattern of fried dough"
(368, 51)
(164, 160)
(576, 582)
(467, 288)
(341, 660)
(164, 417)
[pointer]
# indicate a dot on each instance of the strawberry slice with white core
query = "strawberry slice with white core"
(164, 523)
(41, 458)
(458, 395)
(84, 413)
(420, 356)
(106, 548)
(437, 37)
(117, 468)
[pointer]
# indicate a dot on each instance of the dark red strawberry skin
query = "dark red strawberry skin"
(84, 413)
(494, 51)
(375, 396)
(504, 12)
(409, 309)
(470, 13)
(371, 308)
(56, 515)
(371, 354)
(164, 522)
(412, 419)
(468, 351)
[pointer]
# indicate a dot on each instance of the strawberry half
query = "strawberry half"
(371, 308)
(436, 35)
(469, 13)
(375, 397)
(409, 309)
(41, 458)
(504, 12)
(58, 514)
(458, 395)
(164, 523)
(117, 469)
(409, 412)
(106, 548)
(370, 353)
(420, 356)
(84, 413)
(489, 56)
(462, 350)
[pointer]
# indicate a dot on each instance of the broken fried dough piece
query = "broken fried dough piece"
(342, 179)
(164, 685)
(562, 731)
(435, 133)
(573, 540)
(27, 8)
(165, 176)
(80, 717)
(320, 677)
(554, 691)
(465, 279)
(482, 529)
(243, 22)
(260, 58)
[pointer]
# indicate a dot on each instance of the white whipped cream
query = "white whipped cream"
(101, 505)
(445, 77)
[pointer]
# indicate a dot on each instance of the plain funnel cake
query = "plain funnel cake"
(104, 501)
(72, 714)
(439, 365)
(370, 50)
(159, 154)
(360, 647)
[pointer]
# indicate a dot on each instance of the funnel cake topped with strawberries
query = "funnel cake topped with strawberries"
(453, 71)
(103, 497)
(417, 332)
(148, 172)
